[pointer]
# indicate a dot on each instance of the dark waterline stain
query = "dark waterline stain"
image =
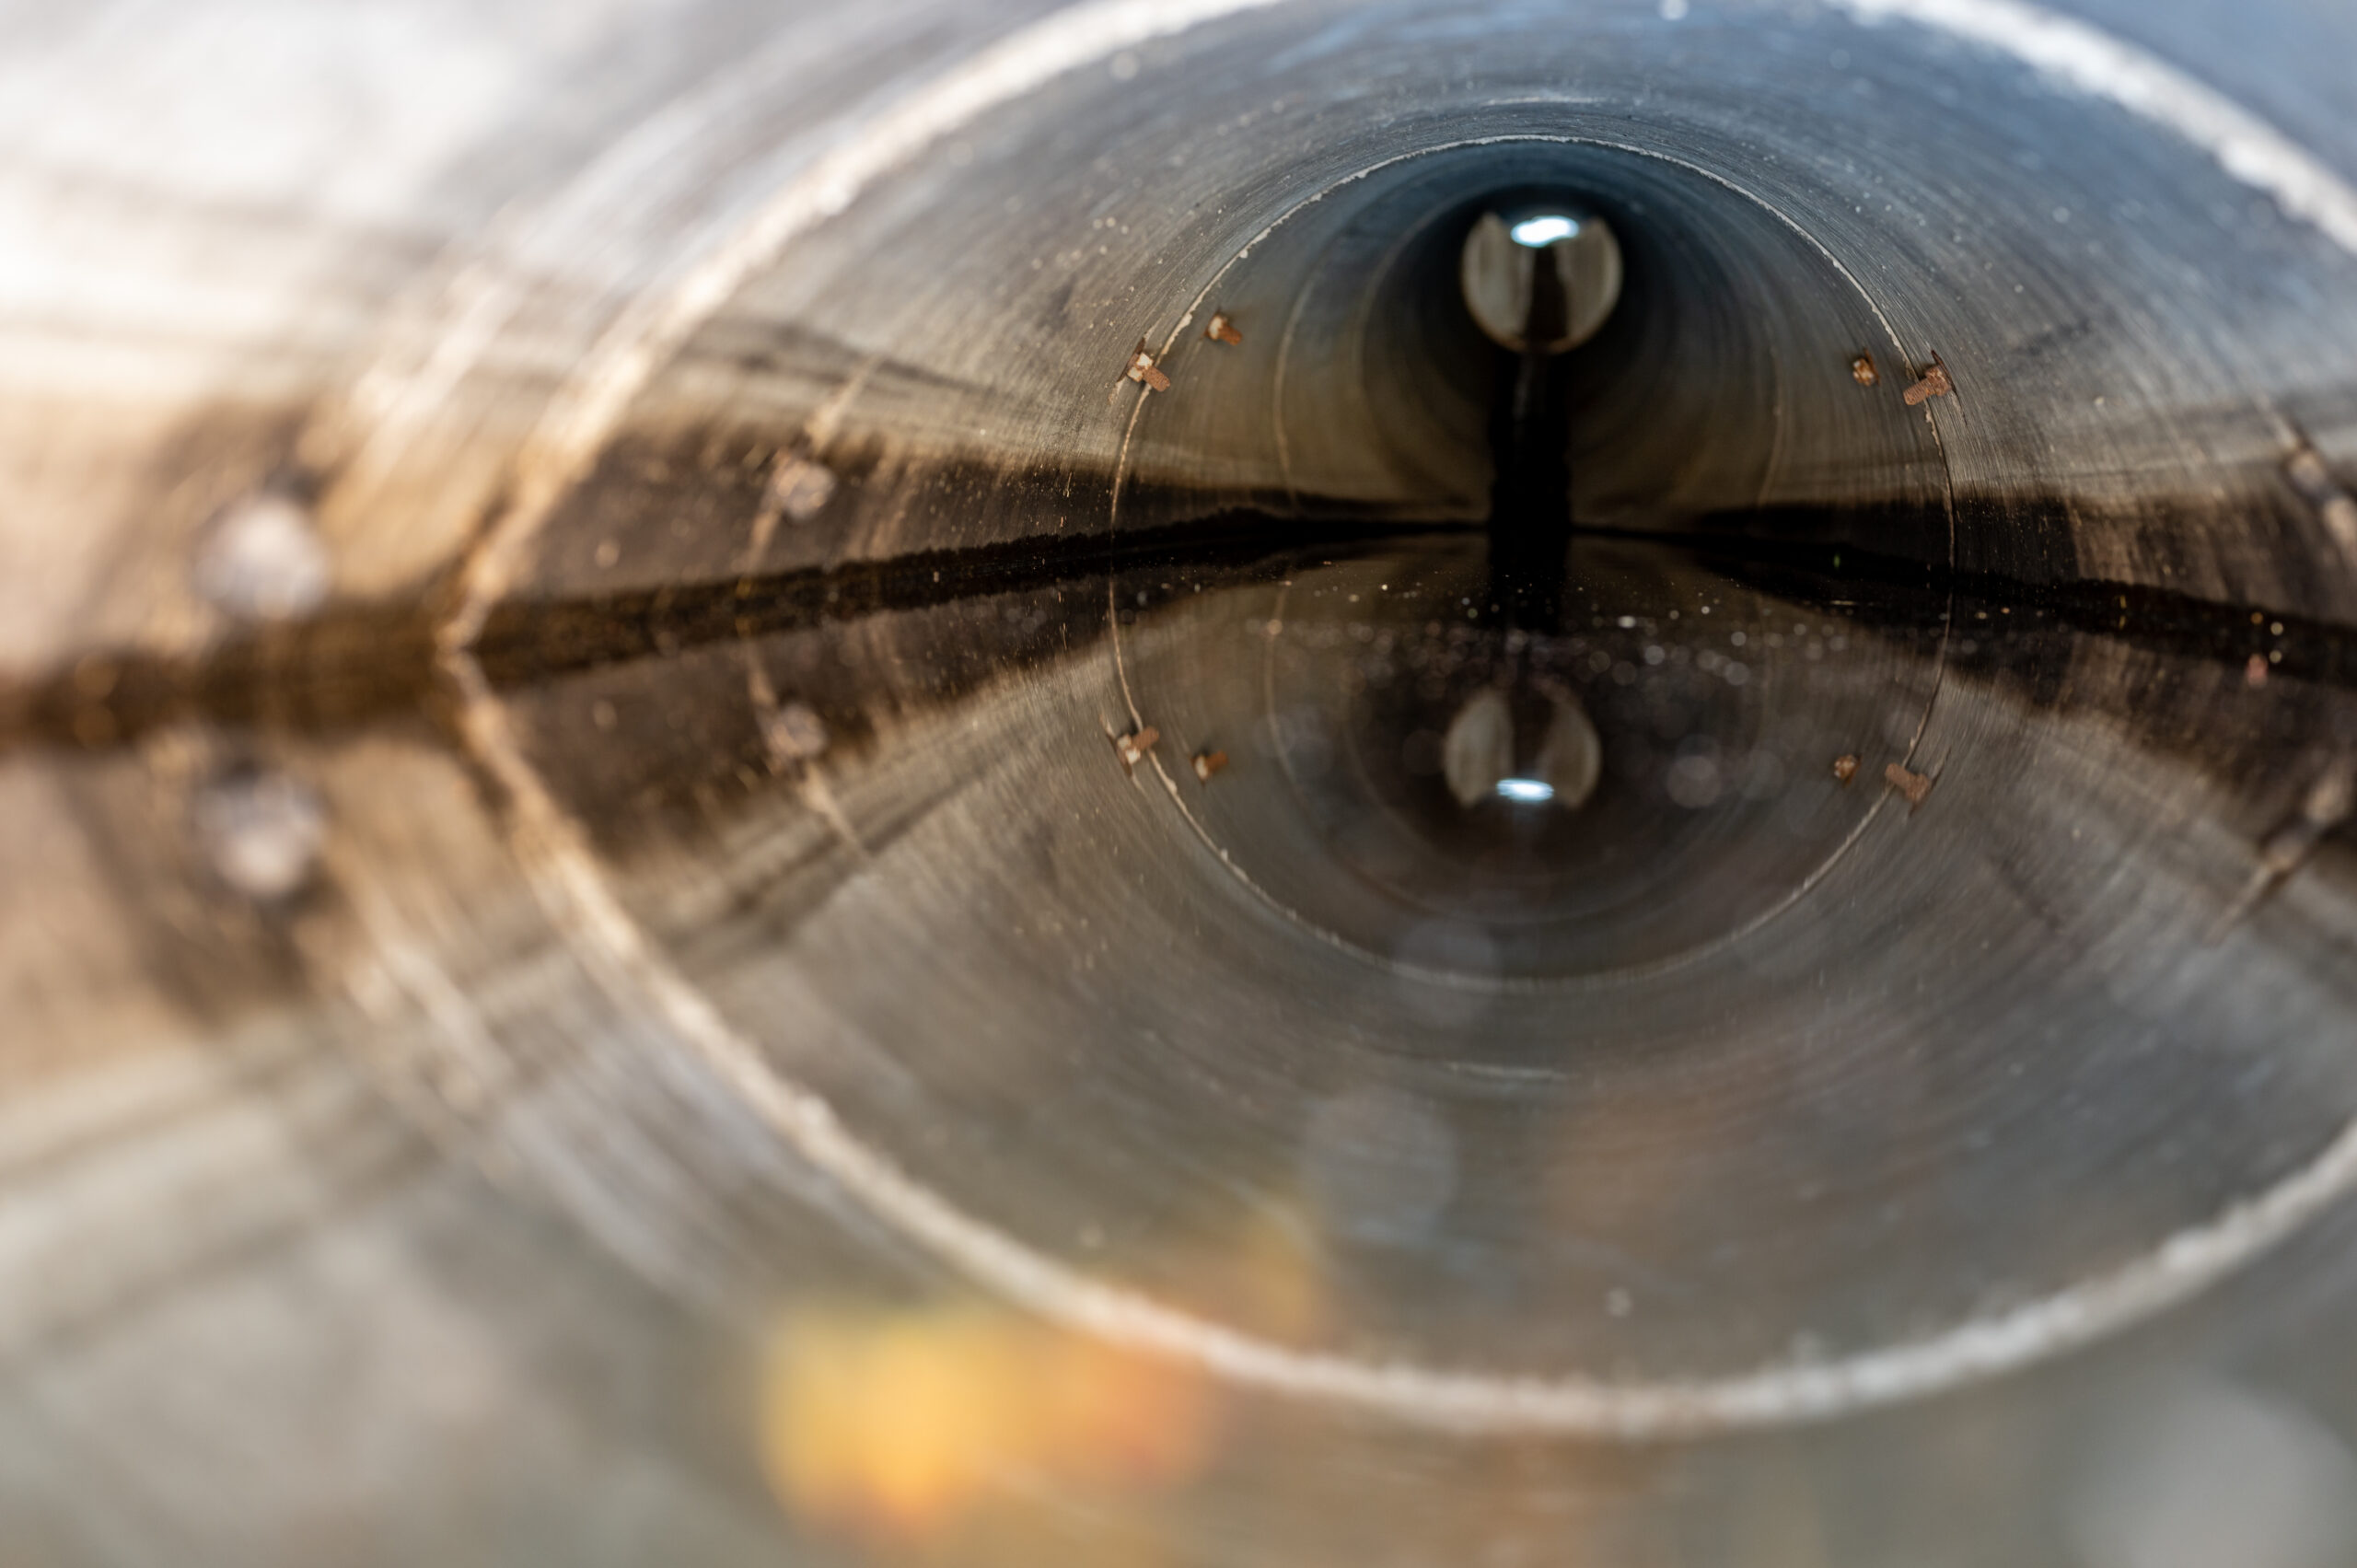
(356, 663)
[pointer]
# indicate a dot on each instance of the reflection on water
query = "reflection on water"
(1542, 1002)
(1650, 772)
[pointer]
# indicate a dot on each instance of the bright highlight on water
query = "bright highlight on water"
(1540, 232)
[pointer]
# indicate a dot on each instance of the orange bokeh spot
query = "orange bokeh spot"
(894, 1423)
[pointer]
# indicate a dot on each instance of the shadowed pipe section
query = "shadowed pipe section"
(1530, 428)
(1740, 1101)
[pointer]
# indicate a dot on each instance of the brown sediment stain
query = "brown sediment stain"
(354, 663)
